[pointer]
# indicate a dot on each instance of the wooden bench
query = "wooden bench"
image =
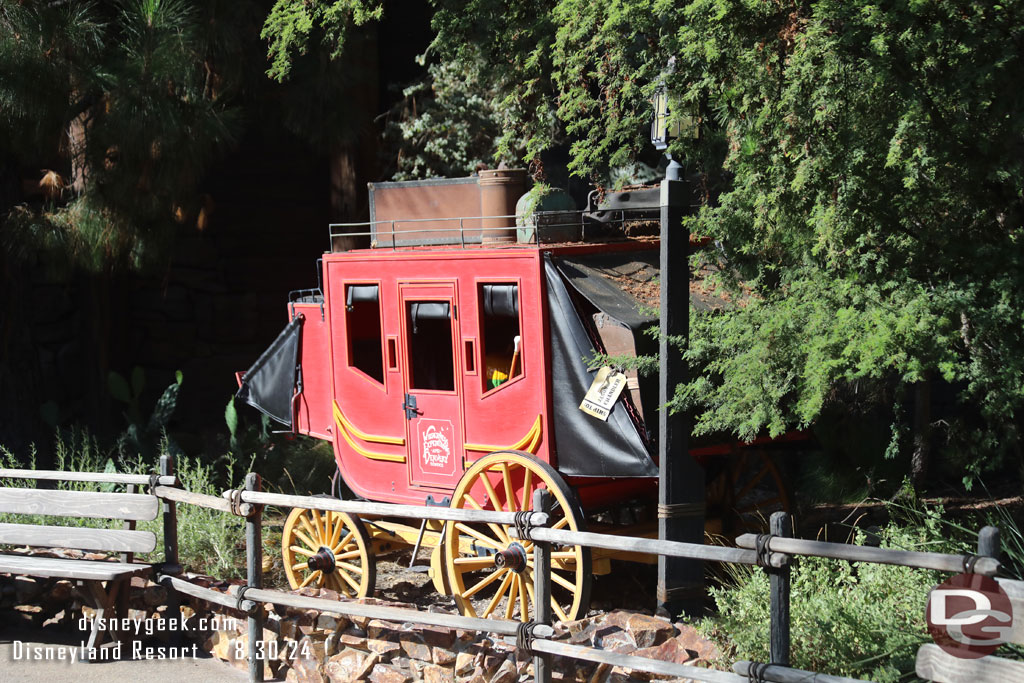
(104, 585)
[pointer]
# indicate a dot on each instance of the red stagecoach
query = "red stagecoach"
(447, 363)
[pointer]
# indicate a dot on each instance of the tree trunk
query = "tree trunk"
(921, 456)
(354, 160)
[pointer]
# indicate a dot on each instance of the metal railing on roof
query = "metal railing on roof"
(493, 231)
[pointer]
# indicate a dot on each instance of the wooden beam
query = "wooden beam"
(78, 504)
(102, 477)
(199, 499)
(86, 570)
(646, 545)
(192, 590)
(654, 666)
(782, 674)
(386, 509)
(1015, 591)
(934, 664)
(986, 566)
(397, 614)
(81, 538)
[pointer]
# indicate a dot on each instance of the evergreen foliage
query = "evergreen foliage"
(125, 102)
(861, 171)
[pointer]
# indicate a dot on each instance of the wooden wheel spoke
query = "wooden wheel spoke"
(486, 540)
(301, 551)
(524, 602)
(480, 585)
(562, 616)
(513, 593)
(339, 526)
(506, 478)
(339, 585)
(563, 555)
(561, 524)
(347, 555)
(471, 563)
(313, 529)
(344, 589)
(349, 567)
(753, 482)
(349, 580)
(307, 540)
(491, 493)
(320, 526)
(509, 575)
(338, 548)
(499, 532)
(300, 565)
(527, 488)
(313, 576)
(738, 468)
(563, 582)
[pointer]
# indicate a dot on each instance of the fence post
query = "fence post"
(988, 542)
(171, 563)
(542, 588)
(254, 577)
(780, 525)
(170, 519)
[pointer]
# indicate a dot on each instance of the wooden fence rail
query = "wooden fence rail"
(987, 566)
(359, 507)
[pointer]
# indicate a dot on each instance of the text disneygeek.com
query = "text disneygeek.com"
(136, 649)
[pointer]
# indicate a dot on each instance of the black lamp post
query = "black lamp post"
(680, 478)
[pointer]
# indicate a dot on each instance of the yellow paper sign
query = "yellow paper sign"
(603, 393)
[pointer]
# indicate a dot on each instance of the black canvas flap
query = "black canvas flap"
(269, 384)
(587, 446)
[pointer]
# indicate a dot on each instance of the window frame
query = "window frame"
(481, 337)
(349, 357)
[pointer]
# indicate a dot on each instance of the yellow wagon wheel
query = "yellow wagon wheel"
(326, 549)
(491, 573)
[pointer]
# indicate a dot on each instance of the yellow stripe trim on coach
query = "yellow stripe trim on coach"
(344, 427)
(529, 443)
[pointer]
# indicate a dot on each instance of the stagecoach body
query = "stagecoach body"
(447, 364)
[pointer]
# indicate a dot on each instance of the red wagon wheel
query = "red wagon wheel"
(326, 549)
(489, 572)
(743, 489)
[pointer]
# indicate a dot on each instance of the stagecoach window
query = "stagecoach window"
(499, 330)
(362, 320)
(430, 345)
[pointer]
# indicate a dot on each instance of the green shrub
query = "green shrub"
(851, 619)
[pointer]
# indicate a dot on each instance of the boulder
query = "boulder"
(382, 673)
(649, 631)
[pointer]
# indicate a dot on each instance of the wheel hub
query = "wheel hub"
(513, 558)
(323, 561)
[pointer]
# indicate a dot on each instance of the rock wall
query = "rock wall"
(308, 646)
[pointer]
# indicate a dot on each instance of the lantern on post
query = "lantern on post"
(663, 127)
(680, 477)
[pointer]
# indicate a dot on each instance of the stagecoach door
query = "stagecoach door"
(432, 404)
